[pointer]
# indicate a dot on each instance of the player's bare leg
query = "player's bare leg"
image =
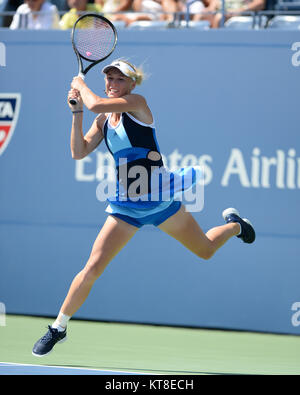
(111, 239)
(113, 236)
(184, 228)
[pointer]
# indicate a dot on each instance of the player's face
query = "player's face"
(117, 84)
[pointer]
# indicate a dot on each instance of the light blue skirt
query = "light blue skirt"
(166, 187)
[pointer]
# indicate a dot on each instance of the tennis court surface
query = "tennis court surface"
(125, 349)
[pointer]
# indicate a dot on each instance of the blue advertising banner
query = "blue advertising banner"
(224, 101)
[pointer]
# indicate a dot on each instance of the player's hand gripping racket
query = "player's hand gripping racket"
(94, 38)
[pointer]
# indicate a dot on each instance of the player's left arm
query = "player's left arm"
(128, 103)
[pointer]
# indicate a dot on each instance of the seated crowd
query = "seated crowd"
(43, 14)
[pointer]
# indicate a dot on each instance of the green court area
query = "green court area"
(151, 349)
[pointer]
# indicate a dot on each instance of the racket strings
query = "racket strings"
(94, 38)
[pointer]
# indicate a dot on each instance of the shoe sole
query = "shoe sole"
(47, 353)
(248, 222)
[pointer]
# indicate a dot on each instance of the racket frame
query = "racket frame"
(82, 72)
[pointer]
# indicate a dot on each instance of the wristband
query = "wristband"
(75, 112)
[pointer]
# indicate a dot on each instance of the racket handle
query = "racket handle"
(74, 101)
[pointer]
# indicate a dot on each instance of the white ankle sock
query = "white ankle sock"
(61, 322)
(240, 229)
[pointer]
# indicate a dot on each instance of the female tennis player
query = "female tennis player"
(126, 124)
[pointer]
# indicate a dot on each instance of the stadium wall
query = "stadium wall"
(225, 100)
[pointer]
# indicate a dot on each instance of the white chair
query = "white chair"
(240, 23)
(3, 4)
(288, 5)
(246, 22)
(285, 22)
(119, 24)
(148, 25)
(261, 21)
(199, 25)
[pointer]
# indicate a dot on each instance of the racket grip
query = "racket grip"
(74, 101)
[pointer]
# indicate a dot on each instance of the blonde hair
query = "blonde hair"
(138, 75)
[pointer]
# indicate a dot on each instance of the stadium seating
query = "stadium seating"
(119, 24)
(3, 4)
(246, 22)
(288, 5)
(278, 14)
(285, 22)
(200, 25)
(144, 25)
(158, 25)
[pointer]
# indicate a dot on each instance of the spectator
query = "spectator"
(165, 8)
(112, 7)
(195, 8)
(200, 9)
(115, 5)
(36, 14)
(77, 7)
(235, 8)
(128, 13)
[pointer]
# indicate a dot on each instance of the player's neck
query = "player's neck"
(116, 116)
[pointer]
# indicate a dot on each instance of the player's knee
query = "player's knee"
(94, 268)
(206, 253)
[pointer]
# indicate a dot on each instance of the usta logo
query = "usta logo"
(9, 113)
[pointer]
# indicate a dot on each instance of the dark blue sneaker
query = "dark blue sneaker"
(248, 232)
(46, 343)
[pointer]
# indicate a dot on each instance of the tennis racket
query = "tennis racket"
(94, 38)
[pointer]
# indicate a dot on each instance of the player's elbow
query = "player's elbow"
(95, 106)
(77, 155)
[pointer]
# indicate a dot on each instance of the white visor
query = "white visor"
(124, 67)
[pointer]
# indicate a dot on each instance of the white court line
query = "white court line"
(66, 367)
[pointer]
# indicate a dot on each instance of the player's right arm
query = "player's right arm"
(82, 145)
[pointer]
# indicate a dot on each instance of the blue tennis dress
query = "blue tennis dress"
(146, 192)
